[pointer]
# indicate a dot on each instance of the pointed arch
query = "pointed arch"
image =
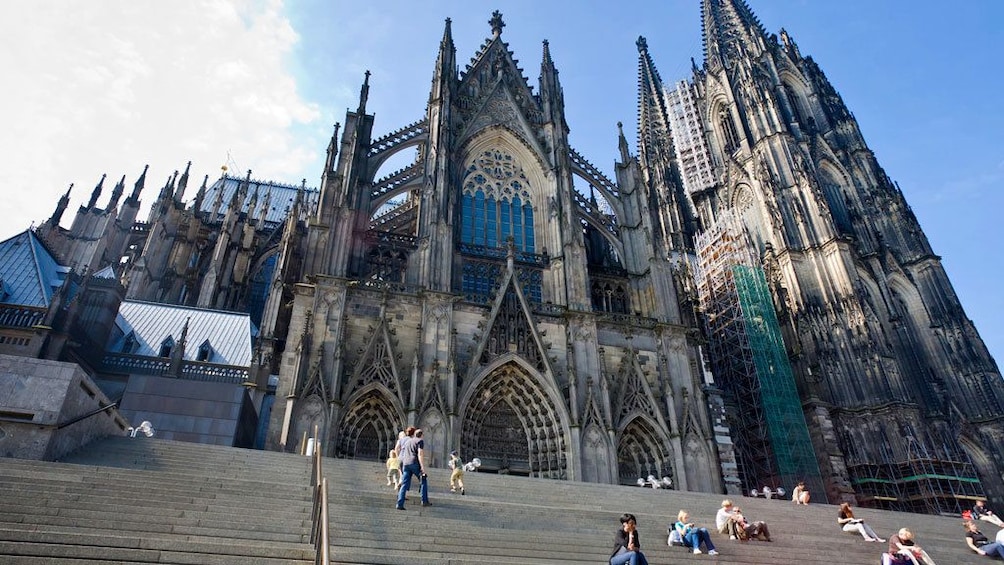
(514, 422)
(369, 425)
(378, 365)
(642, 450)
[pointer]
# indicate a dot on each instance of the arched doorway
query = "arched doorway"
(511, 424)
(369, 429)
(641, 452)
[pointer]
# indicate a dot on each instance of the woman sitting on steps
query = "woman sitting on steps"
(849, 523)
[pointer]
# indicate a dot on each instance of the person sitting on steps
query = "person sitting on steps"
(901, 544)
(730, 521)
(980, 544)
(694, 536)
(800, 495)
(981, 512)
(627, 546)
(849, 523)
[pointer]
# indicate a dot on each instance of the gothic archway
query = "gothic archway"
(641, 452)
(369, 429)
(512, 425)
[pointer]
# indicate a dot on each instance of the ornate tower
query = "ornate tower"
(891, 373)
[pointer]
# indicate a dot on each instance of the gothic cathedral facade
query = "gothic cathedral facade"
(506, 314)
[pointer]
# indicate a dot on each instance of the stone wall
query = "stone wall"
(38, 401)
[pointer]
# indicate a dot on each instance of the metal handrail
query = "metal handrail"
(319, 515)
(100, 409)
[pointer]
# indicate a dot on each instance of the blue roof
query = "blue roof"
(29, 275)
(280, 202)
(150, 325)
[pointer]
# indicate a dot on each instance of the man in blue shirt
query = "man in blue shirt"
(412, 457)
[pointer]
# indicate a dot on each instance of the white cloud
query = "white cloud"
(106, 87)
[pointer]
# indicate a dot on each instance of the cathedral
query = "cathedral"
(746, 301)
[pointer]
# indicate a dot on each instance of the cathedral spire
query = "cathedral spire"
(96, 193)
(653, 117)
(113, 202)
(332, 160)
(550, 89)
(496, 23)
(656, 156)
(729, 30)
(168, 190)
(179, 194)
(622, 144)
(140, 183)
(364, 94)
(200, 196)
(64, 201)
(446, 65)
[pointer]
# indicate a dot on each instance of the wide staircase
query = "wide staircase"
(152, 501)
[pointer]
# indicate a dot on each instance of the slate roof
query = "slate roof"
(281, 201)
(29, 275)
(228, 333)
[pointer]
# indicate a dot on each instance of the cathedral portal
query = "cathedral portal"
(512, 425)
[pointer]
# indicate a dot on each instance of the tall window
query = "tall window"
(496, 203)
(728, 129)
(496, 206)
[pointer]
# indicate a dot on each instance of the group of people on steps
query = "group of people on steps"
(902, 550)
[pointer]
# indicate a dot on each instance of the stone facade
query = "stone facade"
(889, 368)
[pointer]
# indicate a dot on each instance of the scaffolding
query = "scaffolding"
(928, 481)
(750, 363)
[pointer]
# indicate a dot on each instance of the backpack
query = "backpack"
(674, 537)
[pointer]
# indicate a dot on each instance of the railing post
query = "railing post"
(322, 556)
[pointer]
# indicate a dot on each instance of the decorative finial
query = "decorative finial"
(496, 23)
(642, 43)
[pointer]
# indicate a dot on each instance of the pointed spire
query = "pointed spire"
(64, 201)
(729, 30)
(496, 23)
(447, 33)
(364, 94)
(547, 55)
(218, 200)
(253, 203)
(445, 74)
(182, 183)
(653, 116)
(140, 183)
(168, 190)
(96, 193)
(237, 201)
(200, 196)
(329, 166)
(622, 144)
(551, 96)
(113, 202)
(265, 205)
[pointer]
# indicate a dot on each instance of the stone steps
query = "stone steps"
(152, 501)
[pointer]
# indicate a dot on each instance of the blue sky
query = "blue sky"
(106, 87)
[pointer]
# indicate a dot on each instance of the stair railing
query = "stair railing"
(319, 515)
